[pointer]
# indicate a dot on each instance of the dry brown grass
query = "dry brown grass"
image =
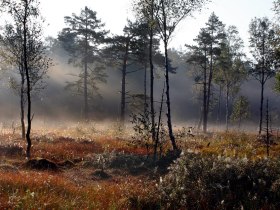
(74, 188)
(231, 144)
(33, 190)
(77, 188)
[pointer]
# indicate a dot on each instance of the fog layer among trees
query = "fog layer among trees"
(87, 73)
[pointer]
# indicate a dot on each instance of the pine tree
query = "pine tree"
(205, 56)
(129, 49)
(82, 39)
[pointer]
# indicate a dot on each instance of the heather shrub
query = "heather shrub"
(196, 181)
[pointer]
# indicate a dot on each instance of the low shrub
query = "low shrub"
(41, 164)
(196, 181)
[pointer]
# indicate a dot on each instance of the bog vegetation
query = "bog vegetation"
(90, 167)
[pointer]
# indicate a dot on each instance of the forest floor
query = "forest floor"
(82, 167)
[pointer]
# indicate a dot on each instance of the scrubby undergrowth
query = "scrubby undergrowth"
(197, 181)
(103, 170)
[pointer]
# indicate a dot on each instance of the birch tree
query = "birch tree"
(27, 21)
(169, 14)
(262, 39)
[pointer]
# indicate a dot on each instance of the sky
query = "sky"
(115, 13)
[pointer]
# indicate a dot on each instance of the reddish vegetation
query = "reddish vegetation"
(61, 149)
(82, 157)
(74, 187)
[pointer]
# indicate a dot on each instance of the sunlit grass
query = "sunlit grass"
(33, 190)
(77, 188)
(230, 144)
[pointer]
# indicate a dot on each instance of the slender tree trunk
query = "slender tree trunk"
(261, 106)
(123, 92)
(205, 114)
(22, 106)
(219, 105)
(239, 122)
(25, 58)
(209, 86)
(267, 130)
(86, 72)
(200, 118)
(159, 123)
(145, 90)
(153, 130)
(210, 81)
(168, 103)
(86, 91)
(262, 85)
(205, 105)
(227, 107)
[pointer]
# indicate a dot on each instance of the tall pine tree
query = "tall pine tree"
(205, 55)
(82, 40)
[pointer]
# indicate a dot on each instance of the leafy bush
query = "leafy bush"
(209, 182)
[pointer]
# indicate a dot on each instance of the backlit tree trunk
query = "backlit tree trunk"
(168, 103)
(123, 91)
(25, 58)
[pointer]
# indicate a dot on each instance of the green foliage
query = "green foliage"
(204, 56)
(277, 82)
(82, 39)
(276, 7)
(136, 36)
(142, 128)
(240, 110)
(199, 182)
(208, 46)
(12, 40)
(171, 13)
(230, 66)
(96, 76)
(262, 40)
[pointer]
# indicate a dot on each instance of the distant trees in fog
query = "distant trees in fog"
(231, 70)
(126, 51)
(218, 58)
